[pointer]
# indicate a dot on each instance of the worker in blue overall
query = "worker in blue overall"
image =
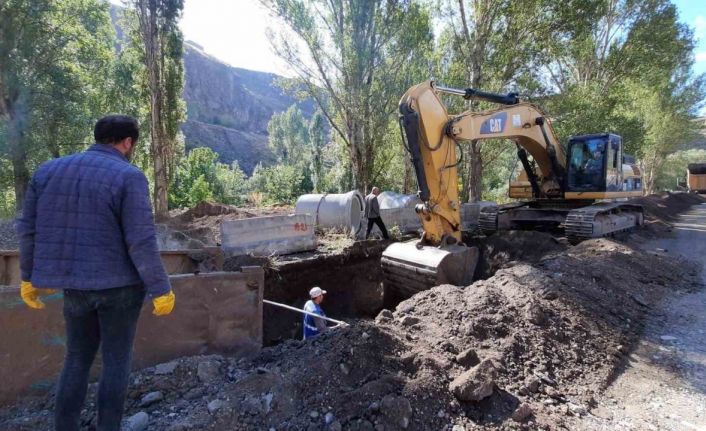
(314, 326)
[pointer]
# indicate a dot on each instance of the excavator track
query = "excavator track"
(488, 219)
(601, 219)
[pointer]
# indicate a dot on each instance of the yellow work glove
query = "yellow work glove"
(164, 304)
(30, 295)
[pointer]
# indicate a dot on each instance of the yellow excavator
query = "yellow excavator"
(583, 188)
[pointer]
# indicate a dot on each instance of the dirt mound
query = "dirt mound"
(206, 209)
(506, 247)
(526, 347)
(667, 206)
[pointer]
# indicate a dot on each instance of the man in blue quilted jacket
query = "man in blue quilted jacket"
(87, 228)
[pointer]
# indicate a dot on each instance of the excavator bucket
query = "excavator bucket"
(409, 268)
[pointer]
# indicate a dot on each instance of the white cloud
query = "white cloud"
(701, 56)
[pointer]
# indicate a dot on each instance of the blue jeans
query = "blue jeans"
(105, 319)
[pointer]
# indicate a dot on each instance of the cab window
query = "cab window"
(586, 165)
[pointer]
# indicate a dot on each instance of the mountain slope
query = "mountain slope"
(228, 108)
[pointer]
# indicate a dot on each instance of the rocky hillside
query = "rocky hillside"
(229, 108)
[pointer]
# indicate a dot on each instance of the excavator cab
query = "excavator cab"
(595, 163)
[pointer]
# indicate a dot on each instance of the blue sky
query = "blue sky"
(693, 13)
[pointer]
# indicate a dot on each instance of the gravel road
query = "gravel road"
(663, 384)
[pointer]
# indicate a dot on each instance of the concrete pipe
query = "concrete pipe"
(343, 211)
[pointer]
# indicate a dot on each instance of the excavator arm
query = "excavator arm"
(432, 137)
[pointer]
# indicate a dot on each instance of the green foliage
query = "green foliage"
(56, 59)
(280, 183)
(317, 140)
(200, 177)
(289, 137)
(155, 35)
(354, 58)
(674, 167)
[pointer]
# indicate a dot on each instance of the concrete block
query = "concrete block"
(265, 236)
(218, 312)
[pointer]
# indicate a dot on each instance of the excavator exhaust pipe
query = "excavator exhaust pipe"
(409, 267)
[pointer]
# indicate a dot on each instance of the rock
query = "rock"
(335, 426)
(344, 368)
(365, 336)
(396, 411)
(215, 405)
(151, 398)
(577, 409)
(532, 386)
(535, 314)
(267, 403)
(328, 418)
(458, 428)
(208, 370)
(374, 406)
(313, 414)
(384, 316)
(409, 321)
(252, 405)
(137, 422)
(467, 358)
(180, 426)
(475, 384)
(165, 368)
(522, 414)
(668, 338)
(550, 295)
(194, 393)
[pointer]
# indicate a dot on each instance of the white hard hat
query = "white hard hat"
(316, 291)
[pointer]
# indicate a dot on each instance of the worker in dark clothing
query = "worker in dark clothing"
(87, 228)
(372, 213)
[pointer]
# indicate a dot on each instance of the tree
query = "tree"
(162, 46)
(199, 176)
(627, 70)
(494, 44)
(317, 140)
(289, 137)
(280, 183)
(55, 64)
(354, 63)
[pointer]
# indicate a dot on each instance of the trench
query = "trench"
(353, 279)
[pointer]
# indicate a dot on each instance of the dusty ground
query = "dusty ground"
(662, 384)
(546, 341)
(533, 346)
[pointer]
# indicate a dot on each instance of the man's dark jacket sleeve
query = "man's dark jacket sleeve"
(139, 233)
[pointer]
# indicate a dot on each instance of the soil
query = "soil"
(662, 383)
(544, 341)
